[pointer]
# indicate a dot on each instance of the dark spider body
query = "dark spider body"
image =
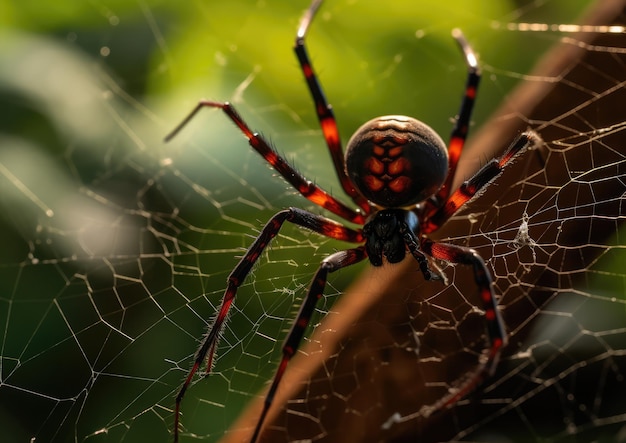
(398, 173)
(385, 234)
(396, 161)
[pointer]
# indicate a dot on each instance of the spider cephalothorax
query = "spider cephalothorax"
(385, 234)
(391, 164)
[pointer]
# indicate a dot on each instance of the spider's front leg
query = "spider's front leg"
(305, 187)
(462, 123)
(321, 225)
(324, 110)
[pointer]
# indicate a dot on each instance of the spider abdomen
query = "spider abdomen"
(396, 161)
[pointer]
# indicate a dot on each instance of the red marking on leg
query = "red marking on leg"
(470, 92)
(254, 256)
(497, 344)
(490, 315)
(454, 203)
(271, 158)
(331, 133)
(454, 151)
(179, 399)
(193, 371)
(486, 295)
(306, 69)
(322, 199)
(340, 233)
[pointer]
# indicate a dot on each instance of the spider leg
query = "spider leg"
(413, 244)
(324, 110)
(462, 123)
(321, 225)
(496, 334)
(305, 187)
(477, 182)
(331, 263)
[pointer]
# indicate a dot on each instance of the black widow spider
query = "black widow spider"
(399, 173)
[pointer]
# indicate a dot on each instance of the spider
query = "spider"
(399, 173)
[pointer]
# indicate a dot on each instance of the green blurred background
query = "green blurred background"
(116, 246)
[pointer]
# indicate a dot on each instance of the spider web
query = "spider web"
(116, 246)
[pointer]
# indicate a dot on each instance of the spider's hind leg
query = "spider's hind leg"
(299, 217)
(494, 325)
(331, 263)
